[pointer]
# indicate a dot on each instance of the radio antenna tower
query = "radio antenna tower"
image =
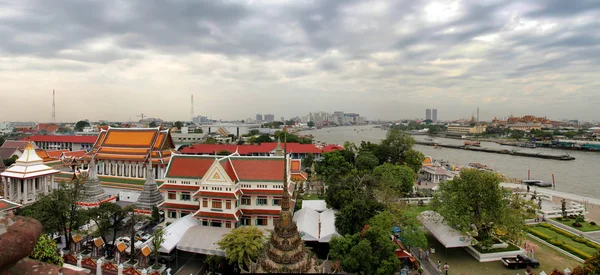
(192, 111)
(53, 107)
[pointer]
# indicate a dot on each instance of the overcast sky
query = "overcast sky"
(383, 59)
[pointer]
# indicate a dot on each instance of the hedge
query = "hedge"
(560, 244)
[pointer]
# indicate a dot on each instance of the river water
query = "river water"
(580, 176)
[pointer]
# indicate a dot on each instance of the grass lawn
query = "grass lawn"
(463, 263)
(586, 226)
(122, 180)
(568, 241)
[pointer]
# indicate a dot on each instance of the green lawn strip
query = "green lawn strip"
(122, 180)
(565, 242)
(511, 247)
(309, 197)
(586, 226)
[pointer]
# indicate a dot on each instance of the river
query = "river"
(580, 176)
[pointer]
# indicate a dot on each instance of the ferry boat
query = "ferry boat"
(473, 143)
(538, 183)
(479, 166)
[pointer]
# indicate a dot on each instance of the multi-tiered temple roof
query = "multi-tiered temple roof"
(92, 190)
(133, 144)
(29, 165)
(150, 195)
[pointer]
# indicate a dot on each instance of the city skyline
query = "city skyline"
(384, 59)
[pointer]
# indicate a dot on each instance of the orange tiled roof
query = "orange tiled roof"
(43, 155)
(258, 169)
(55, 154)
(295, 165)
(189, 166)
(98, 242)
(146, 251)
(121, 246)
(77, 238)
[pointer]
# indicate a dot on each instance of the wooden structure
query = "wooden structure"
(143, 256)
(98, 243)
(76, 243)
(120, 252)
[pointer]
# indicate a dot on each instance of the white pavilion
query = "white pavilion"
(27, 177)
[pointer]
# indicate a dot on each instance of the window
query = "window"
(172, 195)
(276, 201)
(262, 221)
(204, 222)
(228, 204)
(228, 224)
(215, 223)
(246, 201)
(185, 196)
(261, 201)
(183, 214)
(237, 203)
(173, 214)
(205, 202)
(246, 221)
(217, 204)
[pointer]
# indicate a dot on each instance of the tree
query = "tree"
(414, 159)
(428, 121)
(355, 213)
(1, 141)
(395, 145)
(334, 167)
(366, 161)
(46, 250)
(155, 215)
(223, 153)
(152, 124)
(411, 232)
(394, 180)
(10, 161)
(307, 162)
(253, 132)
(263, 138)
(158, 238)
(368, 253)
(210, 140)
(591, 266)
(310, 124)
(242, 245)
(80, 125)
(107, 216)
(290, 123)
(178, 124)
(475, 204)
(517, 134)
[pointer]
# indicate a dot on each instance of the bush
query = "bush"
(592, 223)
(580, 240)
(576, 224)
(545, 224)
(593, 244)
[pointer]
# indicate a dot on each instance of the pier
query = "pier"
(497, 151)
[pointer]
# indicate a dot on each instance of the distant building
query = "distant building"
(466, 130)
(525, 126)
(427, 114)
(434, 115)
(71, 143)
(200, 119)
(269, 118)
(259, 117)
(295, 150)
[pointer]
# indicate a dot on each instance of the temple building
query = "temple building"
(124, 152)
(93, 192)
(227, 191)
(27, 177)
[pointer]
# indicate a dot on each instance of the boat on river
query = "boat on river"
(538, 183)
(479, 166)
(473, 143)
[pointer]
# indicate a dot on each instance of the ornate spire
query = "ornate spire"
(285, 202)
(92, 190)
(150, 195)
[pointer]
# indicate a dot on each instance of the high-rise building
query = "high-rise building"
(434, 115)
(269, 118)
(259, 117)
(428, 114)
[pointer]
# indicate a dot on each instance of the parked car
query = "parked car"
(521, 261)
(141, 225)
(141, 236)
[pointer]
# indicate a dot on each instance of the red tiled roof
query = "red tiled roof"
(216, 194)
(331, 148)
(218, 215)
(178, 187)
(69, 139)
(226, 164)
(19, 144)
(262, 211)
(179, 206)
(258, 169)
(249, 149)
(47, 127)
(55, 154)
(300, 176)
(263, 191)
(189, 167)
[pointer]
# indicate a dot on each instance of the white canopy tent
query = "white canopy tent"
(317, 205)
(203, 240)
(327, 219)
(307, 221)
(174, 233)
(446, 235)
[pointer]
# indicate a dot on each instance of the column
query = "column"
(5, 186)
(99, 267)
(25, 187)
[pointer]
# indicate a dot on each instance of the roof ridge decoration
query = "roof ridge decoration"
(29, 155)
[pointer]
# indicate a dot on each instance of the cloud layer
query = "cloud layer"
(383, 59)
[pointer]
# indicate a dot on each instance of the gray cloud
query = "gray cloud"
(453, 53)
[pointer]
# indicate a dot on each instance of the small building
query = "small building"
(435, 173)
(120, 252)
(525, 126)
(466, 129)
(71, 143)
(27, 178)
(98, 243)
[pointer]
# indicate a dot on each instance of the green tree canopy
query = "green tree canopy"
(366, 161)
(210, 140)
(414, 159)
(308, 161)
(263, 138)
(153, 124)
(80, 125)
(310, 124)
(158, 238)
(178, 124)
(242, 245)
(10, 161)
(395, 145)
(333, 167)
(107, 216)
(46, 250)
(475, 204)
(394, 180)
(223, 153)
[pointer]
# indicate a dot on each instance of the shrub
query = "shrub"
(576, 224)
(592, 223)
(545, 224)
(593, 244)
(580, 240)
